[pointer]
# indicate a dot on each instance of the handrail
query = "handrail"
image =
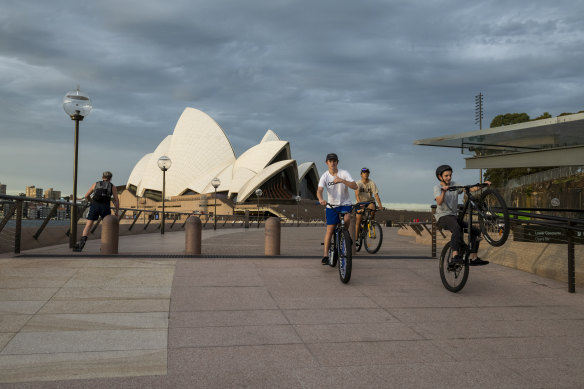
(14, 211)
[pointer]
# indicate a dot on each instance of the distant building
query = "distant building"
(31, 212)
(32, 191)
(2, 189)
(51, 194)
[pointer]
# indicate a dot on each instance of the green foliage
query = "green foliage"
(509, 118)
(545, 115)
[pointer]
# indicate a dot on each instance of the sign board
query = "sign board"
(544, 234)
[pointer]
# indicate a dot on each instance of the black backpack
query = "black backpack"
(102, 192)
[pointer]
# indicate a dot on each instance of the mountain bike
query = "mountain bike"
(370, 231)
(493, 219)
(340, 248)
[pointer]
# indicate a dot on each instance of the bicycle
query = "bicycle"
(370, 231)
(494, 224)
(340, 248)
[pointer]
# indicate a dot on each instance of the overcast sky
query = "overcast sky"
(362, 78)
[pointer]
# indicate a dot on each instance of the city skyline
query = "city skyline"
(363, 80)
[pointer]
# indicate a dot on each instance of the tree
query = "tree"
(545, 115)
(509, 118)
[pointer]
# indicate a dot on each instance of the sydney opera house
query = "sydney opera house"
(200, 152)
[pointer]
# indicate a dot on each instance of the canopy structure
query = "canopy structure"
(557, 141)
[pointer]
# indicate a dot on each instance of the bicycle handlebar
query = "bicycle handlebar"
(457, 187)
(362, 204)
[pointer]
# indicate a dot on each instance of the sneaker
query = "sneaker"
(324, 260)
(79, 246)
(478, 262)
(456, 260)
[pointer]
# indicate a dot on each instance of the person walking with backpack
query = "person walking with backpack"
(99, 195)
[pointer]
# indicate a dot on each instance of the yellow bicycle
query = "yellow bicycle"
(370, 232)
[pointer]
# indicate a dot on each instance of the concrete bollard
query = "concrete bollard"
(193, 230)
(110, 235)
(272, 236)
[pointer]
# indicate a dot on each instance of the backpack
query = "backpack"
(102, 191)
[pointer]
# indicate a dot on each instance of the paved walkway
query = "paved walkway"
(249, 321)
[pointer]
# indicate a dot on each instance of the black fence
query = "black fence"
(16, 210)
(536, 225)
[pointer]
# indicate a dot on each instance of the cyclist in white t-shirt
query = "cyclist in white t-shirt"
(337, 183)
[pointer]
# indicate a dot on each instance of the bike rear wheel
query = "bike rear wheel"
(345, 256)
(453, 277)
(332, 252)
(493, 218)
(373, 237)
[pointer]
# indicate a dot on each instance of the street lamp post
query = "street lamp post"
(77, 105)
(216, 182)
(298, 198)
(164, 164)
(259, 194)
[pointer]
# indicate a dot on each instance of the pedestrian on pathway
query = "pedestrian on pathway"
(99, 195)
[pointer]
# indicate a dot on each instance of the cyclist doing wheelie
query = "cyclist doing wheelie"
(447, 216)
(366, 190)
(337, 183)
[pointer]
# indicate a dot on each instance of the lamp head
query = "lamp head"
(77, 104)
(164, 163)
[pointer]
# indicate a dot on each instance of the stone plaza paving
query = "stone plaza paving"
(232, 318)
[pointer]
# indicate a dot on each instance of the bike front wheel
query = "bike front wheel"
(345, 256)
(494, 218)
(453, 277)
(332, 252)
(373, 237)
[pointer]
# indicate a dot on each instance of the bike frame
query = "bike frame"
(469, 205)
(366, 218)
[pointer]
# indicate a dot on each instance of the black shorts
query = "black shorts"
(98, 209)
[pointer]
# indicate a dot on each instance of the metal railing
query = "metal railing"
(12, 216)
(552, 229)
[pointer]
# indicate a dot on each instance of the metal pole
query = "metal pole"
(571, 261)
(215, 211)
(18, 229)
(73, 234)
(258, 210)
(163, 196)
(297, 214)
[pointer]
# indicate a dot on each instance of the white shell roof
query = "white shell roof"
(152, 176)
(249, 188)
(304, 168)
(270, 136)
(254, 160)
(200, 151)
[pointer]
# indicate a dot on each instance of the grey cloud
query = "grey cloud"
(364, 79)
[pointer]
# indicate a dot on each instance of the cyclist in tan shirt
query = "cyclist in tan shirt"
(366, 191)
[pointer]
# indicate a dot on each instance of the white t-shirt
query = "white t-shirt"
(338, 194)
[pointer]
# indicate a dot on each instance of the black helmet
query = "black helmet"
(441, 169)
(365, 170)
(107, 174)
(331, 157)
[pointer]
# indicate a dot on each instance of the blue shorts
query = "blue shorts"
(98, 209)
(332, 217)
